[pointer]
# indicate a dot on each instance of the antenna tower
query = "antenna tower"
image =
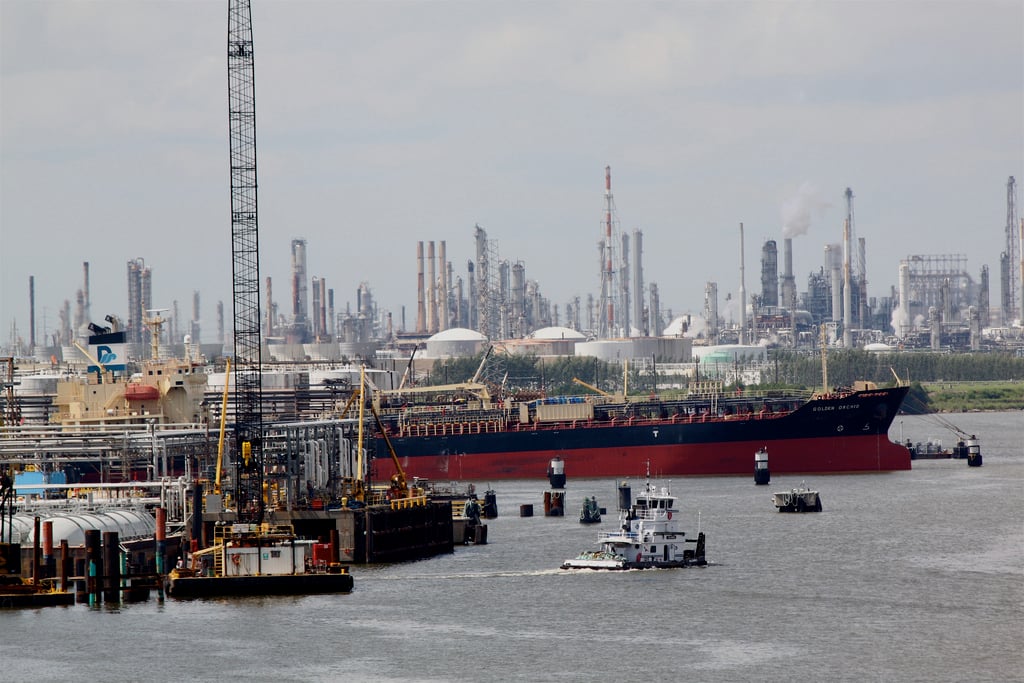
(245, 264)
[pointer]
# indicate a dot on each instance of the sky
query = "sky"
(381, 124)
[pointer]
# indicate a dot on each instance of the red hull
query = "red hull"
(797, 456)
(842, 432)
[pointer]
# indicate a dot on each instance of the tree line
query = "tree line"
(528, 374)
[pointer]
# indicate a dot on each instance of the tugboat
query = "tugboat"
(590, 513)
(649, 536)
(800, 499)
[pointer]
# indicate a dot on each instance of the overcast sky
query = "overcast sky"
(383, 123)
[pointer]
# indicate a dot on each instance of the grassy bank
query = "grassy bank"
(962, 397)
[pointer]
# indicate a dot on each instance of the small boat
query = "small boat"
(649, 536)
(800, 499)
(257, 559)
(590, 513)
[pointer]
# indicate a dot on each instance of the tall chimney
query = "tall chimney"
(431, 289)
(847, 294)
(743, 294)
(85, 292)
(421, 311)
(269, 326)
(442, 304)
(32, 314)
(638, 283)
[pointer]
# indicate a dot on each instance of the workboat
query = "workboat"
(799, 499)
(712, 433)
(259, 559)
(649, 535)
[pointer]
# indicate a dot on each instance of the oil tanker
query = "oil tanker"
(705, 434)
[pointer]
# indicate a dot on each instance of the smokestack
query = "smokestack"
(316, 309)
(627, 317)
(85, 292)
(269, 326)
(220, 322)
(421, 311)
(769, 274)
(31, 314)
(862, 259)
(609, 294)
(638, 283)
(743, 293)
(299, 295)
(847, 294)
(442, 304)
(330, 313)
(431, 289)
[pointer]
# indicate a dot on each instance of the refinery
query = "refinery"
(299, 419)
(937, 302)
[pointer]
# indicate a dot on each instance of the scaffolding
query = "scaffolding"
(940, 282)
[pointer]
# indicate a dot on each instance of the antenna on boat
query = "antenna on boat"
(155, 324)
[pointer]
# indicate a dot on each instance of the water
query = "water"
(908, 576)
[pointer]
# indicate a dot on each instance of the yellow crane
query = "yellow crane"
(577, 380)
(223, 422)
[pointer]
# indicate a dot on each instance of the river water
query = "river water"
(906, 576)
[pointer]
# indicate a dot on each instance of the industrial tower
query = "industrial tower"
(1012, 260)
(609, 290)
(245, 264)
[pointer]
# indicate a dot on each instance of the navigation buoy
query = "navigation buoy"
(762, 475)
(973, 452)
(556, 473)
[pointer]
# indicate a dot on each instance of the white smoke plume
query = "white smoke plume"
(796, 212)
(900, 322)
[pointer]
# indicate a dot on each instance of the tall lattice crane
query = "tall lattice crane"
(245, 264)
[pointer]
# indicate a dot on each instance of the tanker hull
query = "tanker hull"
(841, 433)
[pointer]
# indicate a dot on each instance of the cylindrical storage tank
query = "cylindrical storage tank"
(130, 524)
(556, 473)
(625, 496)
(762, 475)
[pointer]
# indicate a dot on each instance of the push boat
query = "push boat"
(708, 434)
(649, 536)
(799, 499)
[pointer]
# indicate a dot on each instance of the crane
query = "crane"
(577, 380)
(245, 264)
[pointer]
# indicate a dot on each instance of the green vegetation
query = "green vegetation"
(939, 381)
(960, 397)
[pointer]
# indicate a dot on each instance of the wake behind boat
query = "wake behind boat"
(649, 536)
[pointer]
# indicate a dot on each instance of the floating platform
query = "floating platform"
(276, 584)
(36, 599)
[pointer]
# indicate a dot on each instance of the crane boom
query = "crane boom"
(245, 262)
